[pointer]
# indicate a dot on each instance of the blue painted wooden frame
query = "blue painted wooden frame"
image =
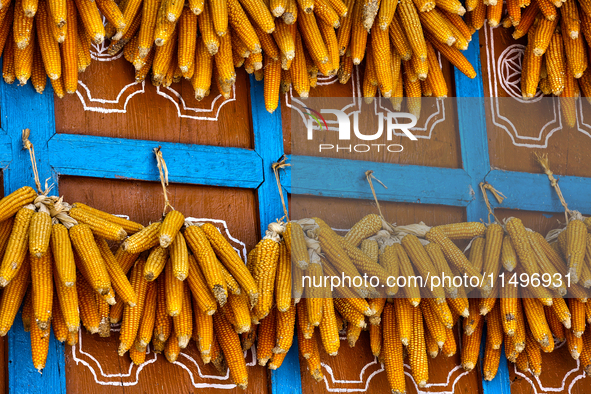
(61, 154)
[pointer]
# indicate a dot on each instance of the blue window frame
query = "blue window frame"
(102, 157)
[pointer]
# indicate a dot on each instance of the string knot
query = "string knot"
(163, 170)
(542, 159)
(369, 176)
(276, 167)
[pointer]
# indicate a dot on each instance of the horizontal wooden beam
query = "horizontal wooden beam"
(119, 158)
(533, 192)
(5, 150)
(406, 183)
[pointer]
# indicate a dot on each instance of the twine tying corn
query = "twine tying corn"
(163, 170)
(484, 186)
(276, 167)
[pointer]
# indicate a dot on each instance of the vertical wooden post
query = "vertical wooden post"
(268, 143)
(476, 161)
(22, 107)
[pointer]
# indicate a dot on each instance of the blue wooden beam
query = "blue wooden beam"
(22, 108)
(268, 143)
(104, 157)
(533, 192)
(346, 179)
(5, 150)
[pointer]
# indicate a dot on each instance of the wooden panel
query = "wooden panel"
(126, 109)
(89, 365)
(345, 372)
(437, 133)
(514, 133)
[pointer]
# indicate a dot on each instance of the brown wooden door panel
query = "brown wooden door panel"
(437, 134)
(513, 132)
(94, 366)
(109, 103)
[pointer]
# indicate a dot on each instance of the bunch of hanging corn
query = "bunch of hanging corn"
(555, 60)
(52, 38)
(526, 319)
(286, 42)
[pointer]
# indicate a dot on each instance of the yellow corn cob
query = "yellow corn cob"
(285, 326)
(58, 11)
(39, 233)
(60, 330)
(68, 300)
(412, 26)
(417, 354)
(358, 35)
(328, 328)
(349, 313)
(42, 286)
(344, 31)
(263, 271)
(163, 322)
(544, 264)
(576, 54)
(434, 326)
(362, 262)
(285, 41)
(125, 260)
(340, 7)
(39, 346)
(242, 27)
(240, 309)
(492, 254)
(585, 356)
(209, 37)
(290, 15)
(146, 34)
(16, 248)
(555, 325)
(131, 315)
(13, 296)
(179, 257)
(272, 71)
(259, 12)
(8, 63)
(187, 39)
(577, 310)
(174, 8)
(399, 40)
(382, 60)
(471, 347)
(201, 81)
(324, 12)
(118, 279)
(451, 251)
(165, 28)
(508, 255)
(203, 333)
(514, 12)
(157, 259)
(201, 293)
(92, 20)
(22, 26)
(441, 266)
(172, 349)
(527, 20)
(534, 356)
(421, 261)
(465, 230)
(370, 81)
(183, 323)
(283, 280)
(411, 290)
(232, 261)
(266, 338)
(436, 79)
(23, 61)
(90, 257)
(83, 42)
(112, 13)
(561, 311)
(543, 34)
(70, 49)
(312, 38)
(534, 311)
(477, 253)
(330, 39)
(375, 339)
(494, 327)
(277, 7)
(208, 262)
(171, 225)
(230, 344)
(87, 303)
(148, 318)
(454, 56)
(223, 61)
(143, 240)
(574, 344)
(174, 292)
(370, 248)
(576, 237)
(49, 47)
(103, 312)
